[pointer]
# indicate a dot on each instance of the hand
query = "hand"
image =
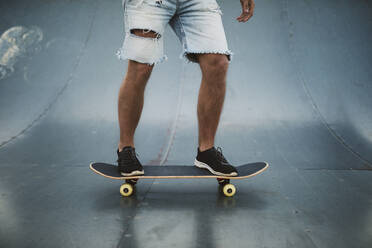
(247, 10)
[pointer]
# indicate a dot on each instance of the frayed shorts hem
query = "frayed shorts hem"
(121, 55)
(185, 55)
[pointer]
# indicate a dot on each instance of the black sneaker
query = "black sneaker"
(214, 161)
(128, 163)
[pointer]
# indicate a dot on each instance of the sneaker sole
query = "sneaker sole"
(206, 166)
(133, 173)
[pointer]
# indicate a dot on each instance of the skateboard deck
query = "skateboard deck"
(177, 171)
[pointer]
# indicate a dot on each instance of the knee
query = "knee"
(139, 73)
(142, 70)
(215, 65)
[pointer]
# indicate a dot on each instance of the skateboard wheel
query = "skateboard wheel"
(126, 189)
(229, 190)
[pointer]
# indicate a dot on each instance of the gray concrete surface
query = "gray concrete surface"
(299, 96)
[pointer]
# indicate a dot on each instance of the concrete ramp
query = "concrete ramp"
(299, 96)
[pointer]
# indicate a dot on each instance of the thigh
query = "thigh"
(198, 24)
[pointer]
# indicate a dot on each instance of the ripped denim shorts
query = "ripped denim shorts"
(197, 24)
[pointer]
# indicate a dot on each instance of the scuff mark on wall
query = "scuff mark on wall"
(15, 43)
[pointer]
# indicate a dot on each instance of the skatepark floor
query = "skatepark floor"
(298, 97)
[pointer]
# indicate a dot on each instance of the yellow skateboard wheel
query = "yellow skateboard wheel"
(126, 189)
(229, 189)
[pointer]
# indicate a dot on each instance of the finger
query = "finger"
(241, 17)
(248, 17)
(245, 17)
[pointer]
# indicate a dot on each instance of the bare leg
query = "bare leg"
(211, 96)
(130, 102)
(131, 95)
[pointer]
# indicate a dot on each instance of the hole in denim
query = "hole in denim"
(147, 33)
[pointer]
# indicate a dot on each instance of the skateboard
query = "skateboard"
(177, 171)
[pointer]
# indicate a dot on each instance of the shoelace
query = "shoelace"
(220, 155)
